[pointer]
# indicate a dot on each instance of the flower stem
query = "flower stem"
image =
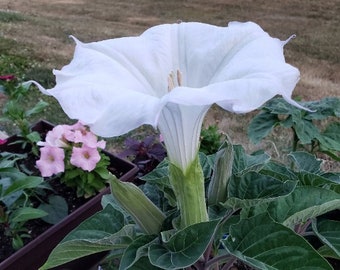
(188, 187)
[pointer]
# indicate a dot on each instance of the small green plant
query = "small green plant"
(15, 111)
(306, 125)
(211, 139)
(10, 16)
(16, 189)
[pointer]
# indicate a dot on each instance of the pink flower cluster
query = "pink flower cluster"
(77, 138)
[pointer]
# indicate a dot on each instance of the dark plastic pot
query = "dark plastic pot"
(35, 253)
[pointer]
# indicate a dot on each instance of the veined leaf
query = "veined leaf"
(26, 213)
(254, 188)
(244, 163)
(261, 125)
(328, 232)
(305, 162)
(303, 203)
(184, 248)
(105, 230)
(265, 244)
(136, 250)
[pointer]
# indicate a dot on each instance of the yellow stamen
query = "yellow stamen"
(171, 80)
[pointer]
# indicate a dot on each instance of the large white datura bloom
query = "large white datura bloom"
(169, 76)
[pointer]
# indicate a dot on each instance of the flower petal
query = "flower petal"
(117, 85)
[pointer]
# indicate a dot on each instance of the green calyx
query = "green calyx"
(188, 187)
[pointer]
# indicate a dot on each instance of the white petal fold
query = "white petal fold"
(117, 85)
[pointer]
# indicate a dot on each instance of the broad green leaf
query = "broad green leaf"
(265, 244)
(315, 180)
(305, 130)
(330, 139)
(184, 248)
(305, 162)
(302, 204)
(280, 106)
(278, 171)
(26, 213)
(56, 208)
(159, 175)
(105, 230)
(328, 232)
(329, 106)
(254, 188)
(136, 250)
(333, 131)
(326, 251)
(261, 125)
(244, 163)
(25, 183)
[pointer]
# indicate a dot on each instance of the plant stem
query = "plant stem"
(188, 187)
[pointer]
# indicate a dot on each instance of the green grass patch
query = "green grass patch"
(7, 16)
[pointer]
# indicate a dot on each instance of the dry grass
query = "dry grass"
(43, 28)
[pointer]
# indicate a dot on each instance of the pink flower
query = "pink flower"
(56, 137)
(85, 157)
(86, 137)
(51, 161)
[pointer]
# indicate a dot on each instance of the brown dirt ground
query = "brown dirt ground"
(316, 50)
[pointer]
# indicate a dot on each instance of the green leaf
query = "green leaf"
(305, 130)
(105, 230)
(26, 213)
(261, 125)
(207, 163)
(278, 171)
(326, 251)
(25, 183)
(328, 232)
(302, 204)
(280, 106)
(265, 244)
(159, 175)
(136, 250)
(38, 107)
(330, 138)
(33, 137)
(184, 248)
(143, 264)
(217, 190)
(254, 188)
(305, 162)
(244, 163)
(315, 180)
(56, 208)
(329, 106)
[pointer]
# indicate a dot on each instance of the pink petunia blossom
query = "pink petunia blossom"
(85, 157)
(51, 161)
(56, 137)
(86, 137)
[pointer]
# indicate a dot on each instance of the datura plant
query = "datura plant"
(168, 77)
